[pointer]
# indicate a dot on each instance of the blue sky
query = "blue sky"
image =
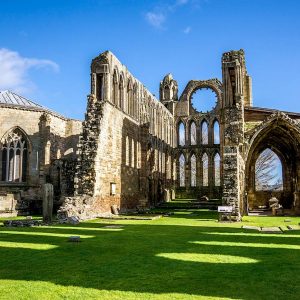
(46, 46)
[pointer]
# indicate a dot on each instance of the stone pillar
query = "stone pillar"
(234, 71)
(44, 133)
(47, 202)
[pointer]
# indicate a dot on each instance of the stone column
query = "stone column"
(47, 202)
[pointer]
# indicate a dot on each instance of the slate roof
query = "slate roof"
(11, 99)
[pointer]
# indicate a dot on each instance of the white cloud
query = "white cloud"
(155, 19)
(187, 30)
(158, 16)
(14, 70)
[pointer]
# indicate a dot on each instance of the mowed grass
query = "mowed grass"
(188, 255)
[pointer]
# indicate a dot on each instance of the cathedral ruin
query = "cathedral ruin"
(133, 150)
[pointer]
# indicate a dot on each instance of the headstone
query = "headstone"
(166, 195)
(74, 238)
(47, 202)
(115, 209)
(172, 194)
(204, 198)
(73, 220)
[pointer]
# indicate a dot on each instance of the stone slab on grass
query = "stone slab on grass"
(271, 230)
(113, 226)
(251, 227)
(293, 227)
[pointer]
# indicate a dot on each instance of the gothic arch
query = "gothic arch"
(282, 135)
(204, 133)
(115, 86)
(121, 91)
(194, 85)
(15, 151)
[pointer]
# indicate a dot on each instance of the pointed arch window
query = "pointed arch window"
(181, 170)
(205, 169)
(217, 168)
(129, 98)
(204, 133)
(193, 133)
(121, 93)
(115, 88)
(181, 134)
(135, 101)
(193, 170)
(14, 157)
(127, 154)
(216, 133)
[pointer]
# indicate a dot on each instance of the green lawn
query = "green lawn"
(186, 256)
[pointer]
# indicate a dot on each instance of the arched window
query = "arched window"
(205, 169)
(268, 172)
(121, 93)
(132, 153)
(129, 97)
(14, 157)
(193, 170)
(193, 133)
(181, 170)
(134, 102)
(138, 153)
(127, 154)
(115, 88)
(216, 133)
(181, 134)
(217, 168)
(204, 133)
(48, 153)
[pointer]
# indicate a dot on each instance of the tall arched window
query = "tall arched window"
(14, 157)
(268, 172)
(193, 170)
(204, 133)
(134, 102)
(129, 98)
(132, 153)
(127, 154)
(217, 168)
(181, 170)
(216, 133)
(115, 88)
(205, 169)
(121, 93)
(193, 133)
(181, 134)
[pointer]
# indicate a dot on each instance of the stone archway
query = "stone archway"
(282, 135)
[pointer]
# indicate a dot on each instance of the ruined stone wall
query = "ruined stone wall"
(127, 137)
(39, 128)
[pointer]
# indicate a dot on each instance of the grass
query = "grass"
(188, 255)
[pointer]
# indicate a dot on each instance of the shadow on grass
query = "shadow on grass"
(157, 258)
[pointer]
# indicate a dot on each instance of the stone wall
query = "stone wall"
(49, 138)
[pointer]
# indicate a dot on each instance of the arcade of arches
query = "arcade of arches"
(136, 151)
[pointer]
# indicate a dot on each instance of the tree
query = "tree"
(267, 175)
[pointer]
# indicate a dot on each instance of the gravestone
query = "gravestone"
(173, 194)
(47, 202)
